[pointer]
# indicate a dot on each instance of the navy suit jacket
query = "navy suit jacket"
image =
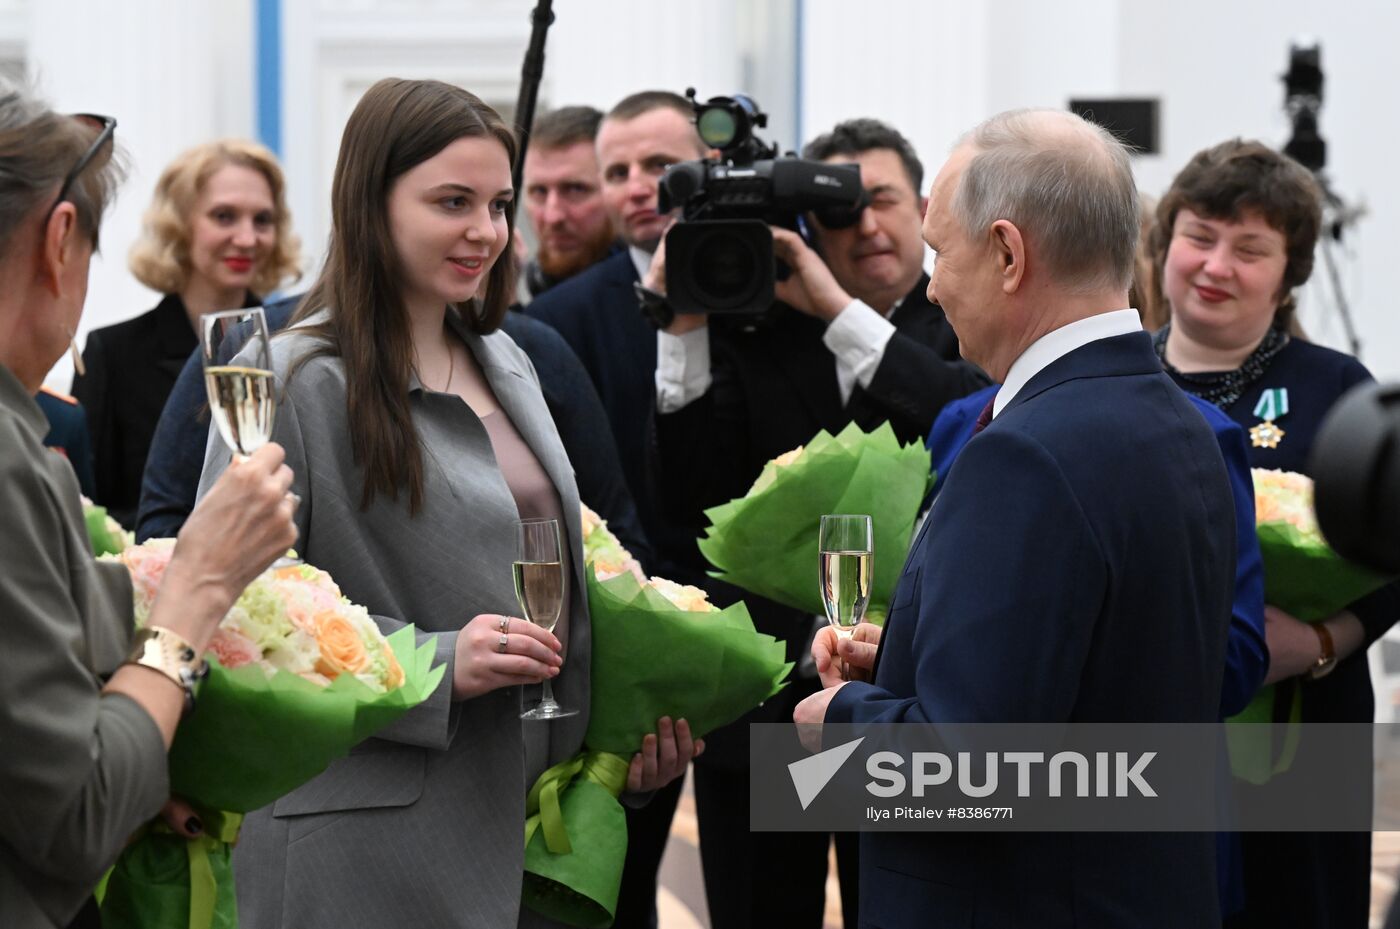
(1045, 586)
(596, 313)
(1246, 653)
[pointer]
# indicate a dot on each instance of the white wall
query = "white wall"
(173, 74)
(917, 65)
(1218, 67)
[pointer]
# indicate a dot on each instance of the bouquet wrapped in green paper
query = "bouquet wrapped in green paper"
(766, 541)
(105, 534)
(1304, 577)
(659, 649)
(298, 675)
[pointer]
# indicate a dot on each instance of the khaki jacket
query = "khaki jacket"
(78, 772)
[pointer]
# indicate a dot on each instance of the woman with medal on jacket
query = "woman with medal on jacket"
(1234, 238)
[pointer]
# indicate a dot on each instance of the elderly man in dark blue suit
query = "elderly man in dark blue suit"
(1078, 564)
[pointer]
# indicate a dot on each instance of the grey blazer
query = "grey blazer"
(78, 772)
(424, 824)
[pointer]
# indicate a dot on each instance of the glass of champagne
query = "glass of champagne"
(845, 568)
(539, 588)
(241, 396)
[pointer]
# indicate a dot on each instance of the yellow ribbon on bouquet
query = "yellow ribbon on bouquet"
(607, 770)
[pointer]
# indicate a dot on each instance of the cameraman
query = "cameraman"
(864, 344)
(854, 339)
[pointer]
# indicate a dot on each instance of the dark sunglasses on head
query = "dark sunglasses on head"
(107, 125)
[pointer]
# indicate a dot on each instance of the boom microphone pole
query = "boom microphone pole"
(530, 74)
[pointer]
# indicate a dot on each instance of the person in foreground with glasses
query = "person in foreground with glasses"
(216, 235)
(86, 715)
(420, 439)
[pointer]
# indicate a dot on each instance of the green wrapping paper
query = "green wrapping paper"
(104, 539)
(766, 541)
(1305, 578)
(162, 879)
(650, 660)
(253, 738)
(578, 798)
(250, 740)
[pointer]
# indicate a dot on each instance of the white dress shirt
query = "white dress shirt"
(857, 337)
(1060, 342)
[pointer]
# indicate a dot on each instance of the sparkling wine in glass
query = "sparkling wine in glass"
(241, 396)
(845, 569)
(539, 589)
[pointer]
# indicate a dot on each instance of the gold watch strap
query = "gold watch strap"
(1328, 659)
(169, 653)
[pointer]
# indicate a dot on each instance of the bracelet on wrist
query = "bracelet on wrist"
(168, 652)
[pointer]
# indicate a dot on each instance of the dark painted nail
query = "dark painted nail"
(194, 825)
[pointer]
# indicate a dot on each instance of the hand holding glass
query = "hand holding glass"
(539, 588)
(846, 565)
(241, 397)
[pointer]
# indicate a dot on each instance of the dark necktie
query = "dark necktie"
(984, 418)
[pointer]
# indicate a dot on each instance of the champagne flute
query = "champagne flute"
(845, 568)
(539, 588)
(242, 400)
(241, 396)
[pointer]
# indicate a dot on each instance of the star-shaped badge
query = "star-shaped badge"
(1266, 435)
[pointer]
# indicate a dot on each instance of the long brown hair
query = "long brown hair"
(397, 125)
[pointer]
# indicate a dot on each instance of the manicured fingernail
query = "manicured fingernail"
(194, 825)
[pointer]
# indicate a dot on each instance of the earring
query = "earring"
(77, 355)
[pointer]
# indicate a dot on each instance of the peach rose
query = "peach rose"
(393, 671)
(342, 649)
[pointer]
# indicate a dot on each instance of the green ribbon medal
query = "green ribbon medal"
(1272, 405)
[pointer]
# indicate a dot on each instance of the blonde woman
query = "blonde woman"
(217, 235)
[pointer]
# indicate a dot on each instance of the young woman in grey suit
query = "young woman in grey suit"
(86, 714)
(419, 437)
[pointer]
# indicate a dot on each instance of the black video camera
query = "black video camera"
(1355, 463)
(1303, 99)
(719, 256)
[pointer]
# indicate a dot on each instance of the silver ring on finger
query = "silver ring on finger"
(504, 624)
(501, 645)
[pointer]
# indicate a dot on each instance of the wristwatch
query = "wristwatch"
(1328, 659)
(655, 309)
(164, 651)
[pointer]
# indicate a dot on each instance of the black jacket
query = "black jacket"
(774, 387)
(131, 368)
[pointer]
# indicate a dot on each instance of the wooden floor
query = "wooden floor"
(681, 899)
